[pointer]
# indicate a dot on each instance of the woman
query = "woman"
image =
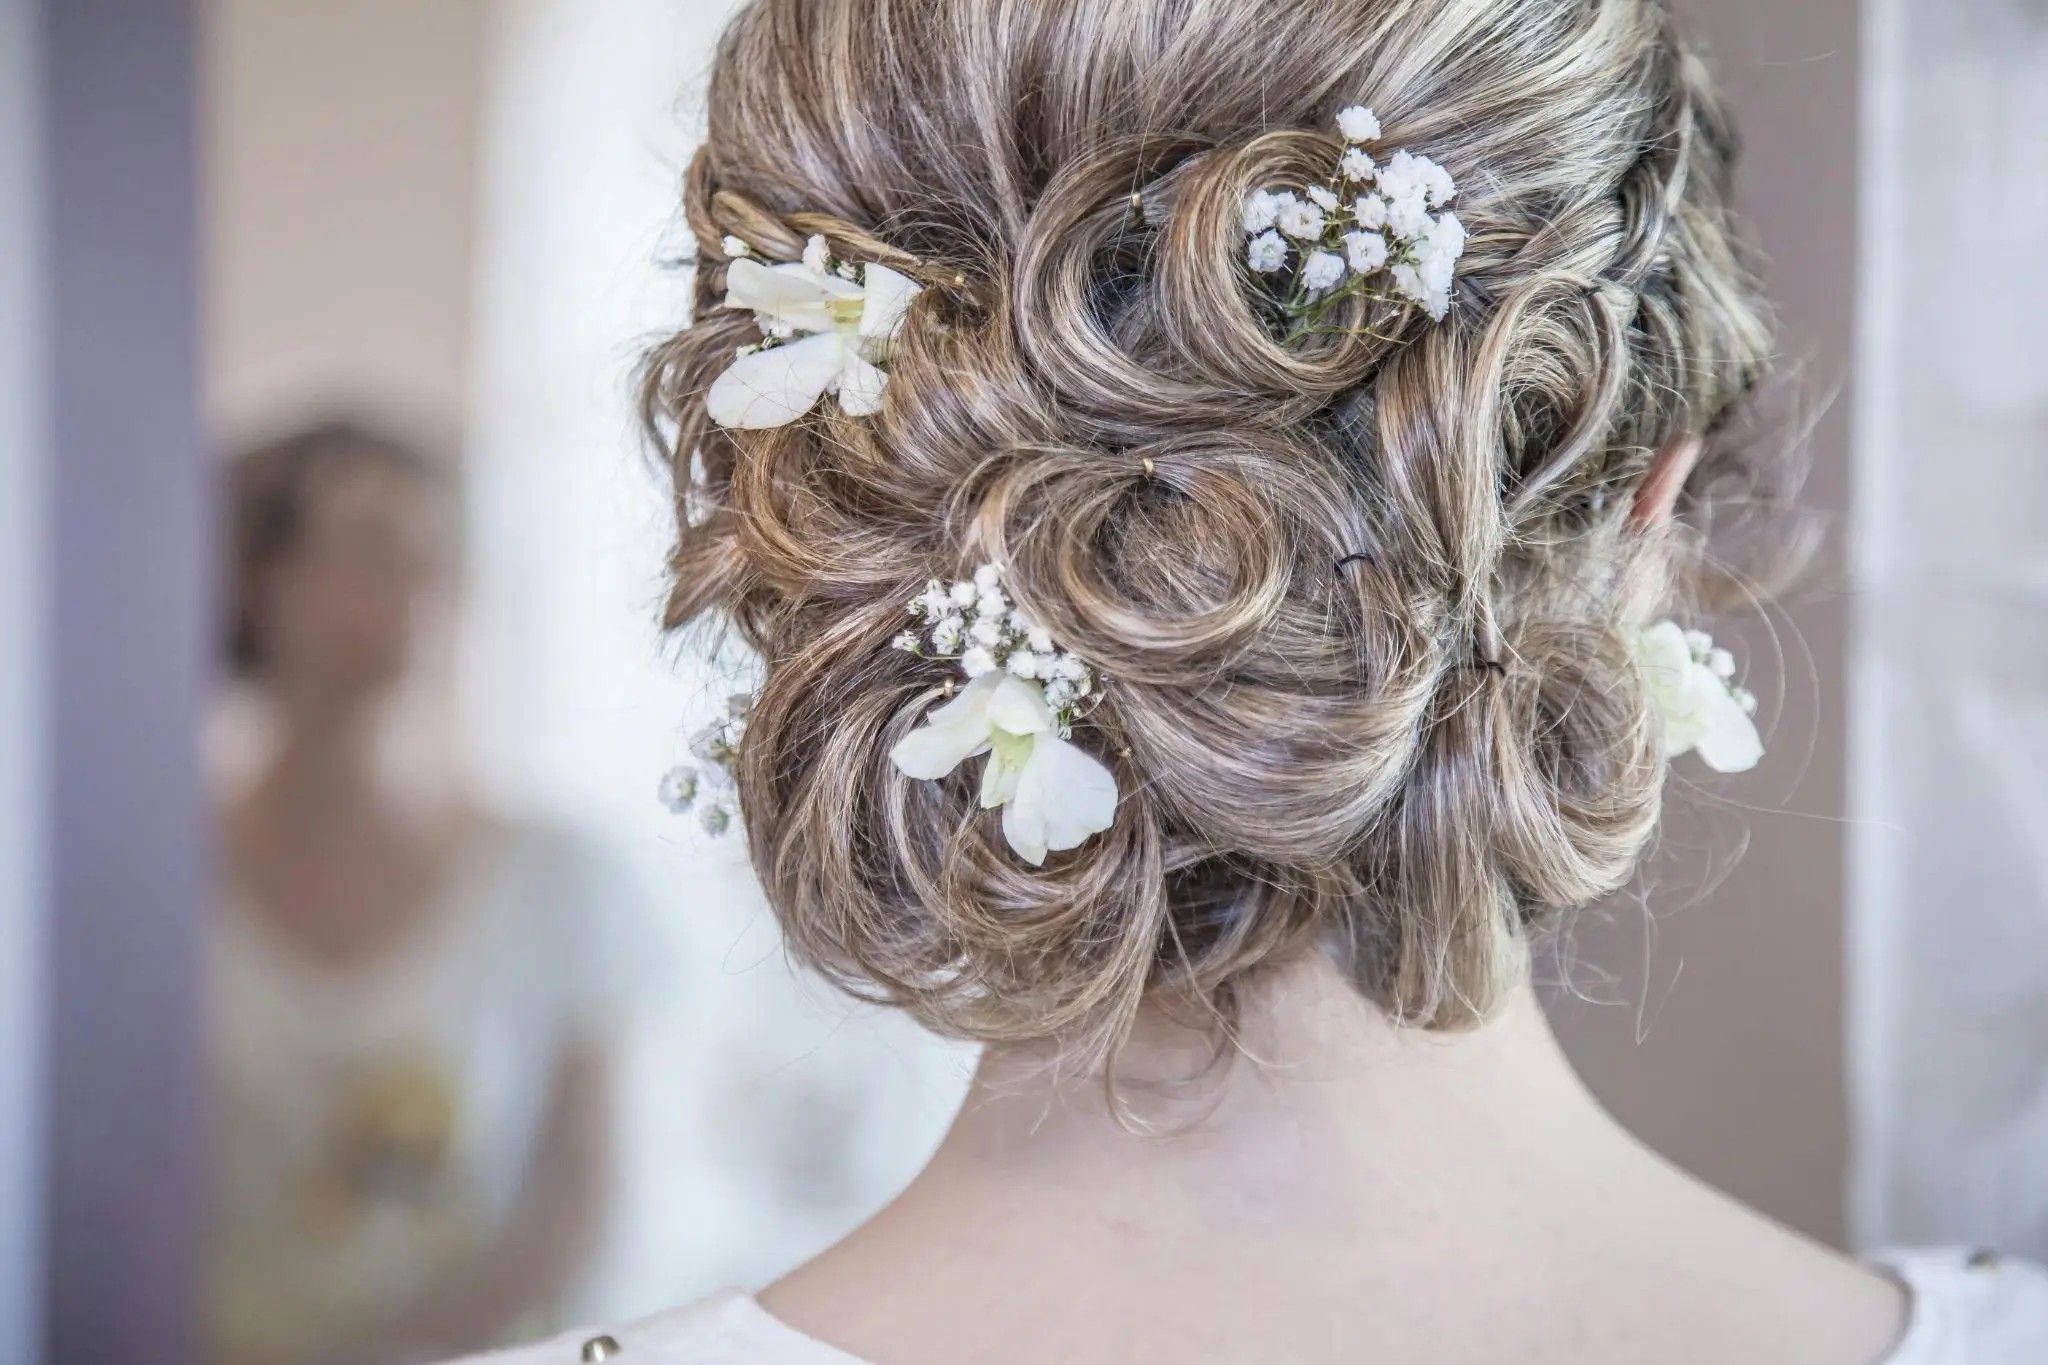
(409, 997)
(1306, 416)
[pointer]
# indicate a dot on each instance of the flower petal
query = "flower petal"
(1728, 740)
(785, 293)
(1007, 756)
(889, 298)
(1024, 827)
(1018, 707)
(949, 736)
(774, 387)
(1063, 796)
(861, 386)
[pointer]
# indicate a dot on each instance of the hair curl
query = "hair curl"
(1364, 601)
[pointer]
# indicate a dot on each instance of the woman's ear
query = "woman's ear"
(1668, 473)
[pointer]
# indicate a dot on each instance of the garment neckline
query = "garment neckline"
(741, 1314)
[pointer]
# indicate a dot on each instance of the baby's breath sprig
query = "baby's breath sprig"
(707, 785)
(973, 623)
(1018, 710)
(1367, 232)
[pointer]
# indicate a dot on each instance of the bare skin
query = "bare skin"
(1345, 1191)
(1360, 1193)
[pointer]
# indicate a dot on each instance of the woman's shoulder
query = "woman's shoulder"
(729, 1328)
(1970, 1308)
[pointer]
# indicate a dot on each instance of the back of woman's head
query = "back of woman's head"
(1364, 598)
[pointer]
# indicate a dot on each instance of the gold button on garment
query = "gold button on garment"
(600, 1348)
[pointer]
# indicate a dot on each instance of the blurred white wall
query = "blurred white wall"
(1950, 767)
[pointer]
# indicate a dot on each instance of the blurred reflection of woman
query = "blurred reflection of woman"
(410, 998)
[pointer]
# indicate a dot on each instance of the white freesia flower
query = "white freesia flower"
(1698, 708)
(1358, 124)
(1054, 795)
(840, 330)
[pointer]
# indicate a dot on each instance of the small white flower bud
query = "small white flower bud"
(1722, 663)
(977, 661)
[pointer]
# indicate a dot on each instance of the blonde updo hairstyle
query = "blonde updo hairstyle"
(1364, 602)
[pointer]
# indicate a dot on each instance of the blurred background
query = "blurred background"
(359, 1001)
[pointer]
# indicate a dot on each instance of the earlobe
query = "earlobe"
(1665, 481)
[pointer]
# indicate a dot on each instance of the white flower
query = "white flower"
(988, 578)
(1070, 667)
(1023, 663)
(1267, 252)
(1299, 220)
(848, 329)
(946, 634)
(1324, 199)
(1358, 124)
(986, 630)
(906, 642)
(717, 819)
(1322, 269)
(1408, 173)
(964, 593)
(1371, 212)
(1053, 794)
(817, 256)
(679, 789)
(1408, 217)
(992, 603)
(1039, 638)
(1357, 165)
(934, 603)
(977, 661)
(1367, 251)
(1721, 663)
(735, 248)
(1262, 209)
(1698, 710)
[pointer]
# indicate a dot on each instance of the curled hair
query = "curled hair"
(1364, 601)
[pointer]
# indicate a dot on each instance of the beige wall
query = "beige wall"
(341, 177)
(1724, 1048)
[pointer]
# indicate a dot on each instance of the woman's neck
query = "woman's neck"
(1318, 1073)
(1338, 1181)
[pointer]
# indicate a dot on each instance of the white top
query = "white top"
(371, 1130)
(1967, 1309)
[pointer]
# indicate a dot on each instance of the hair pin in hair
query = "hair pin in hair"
(827, 326)
(1699, 705)
(1369, 224)
(1022, 699)
(1355, 557)
(707, 785)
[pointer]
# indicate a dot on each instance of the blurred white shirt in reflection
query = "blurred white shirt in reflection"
(371, 1131)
